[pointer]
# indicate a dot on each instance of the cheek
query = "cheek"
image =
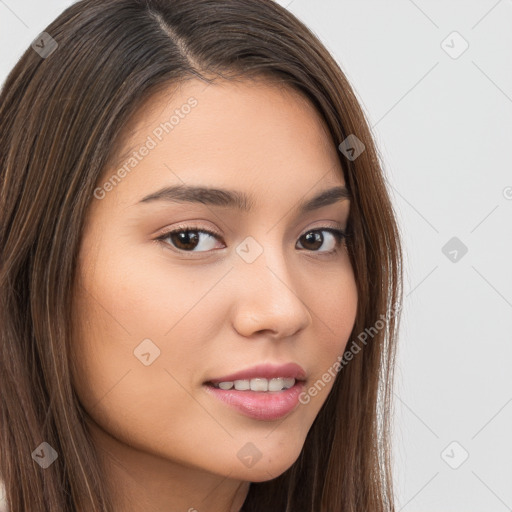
(139, 345)
(335, 309)
(136, 293)
(334, 312)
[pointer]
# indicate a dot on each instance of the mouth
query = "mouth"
(258, 404)
(264, 392)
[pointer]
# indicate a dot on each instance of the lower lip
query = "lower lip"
(260, 405)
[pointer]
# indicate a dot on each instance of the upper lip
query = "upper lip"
(267, 371)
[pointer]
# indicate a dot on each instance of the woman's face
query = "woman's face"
(158, 319)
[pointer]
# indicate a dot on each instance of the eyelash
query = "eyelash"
(338, 233)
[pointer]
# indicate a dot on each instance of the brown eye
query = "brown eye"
(187, 238)
(313, 239)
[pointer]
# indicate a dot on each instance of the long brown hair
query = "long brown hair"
(61, 119)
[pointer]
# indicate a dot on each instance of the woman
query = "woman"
(200, 268)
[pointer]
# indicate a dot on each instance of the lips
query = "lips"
(267, 371)
(257, 405)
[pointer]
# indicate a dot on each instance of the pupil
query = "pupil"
(311, 236)
(184, 238)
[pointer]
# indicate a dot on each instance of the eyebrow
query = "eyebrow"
(236, 199)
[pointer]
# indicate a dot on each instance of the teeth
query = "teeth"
(242, 385)
(275, 384)
(258, 384)
(288, 382)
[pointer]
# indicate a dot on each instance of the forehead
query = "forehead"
(258, 136)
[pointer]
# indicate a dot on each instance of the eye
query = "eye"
(188, 238)
(314, 237)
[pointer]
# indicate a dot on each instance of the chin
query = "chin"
(267, 468)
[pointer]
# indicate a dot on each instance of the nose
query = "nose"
(268, 300)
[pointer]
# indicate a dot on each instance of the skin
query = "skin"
(165, 443)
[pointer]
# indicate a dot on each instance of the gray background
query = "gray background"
(443, 125)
